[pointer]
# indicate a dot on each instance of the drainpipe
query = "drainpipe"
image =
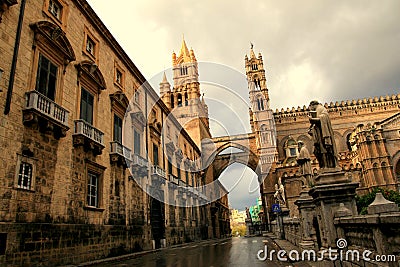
(15, 57)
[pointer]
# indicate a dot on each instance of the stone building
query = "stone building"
(90, 167)
(367, 133)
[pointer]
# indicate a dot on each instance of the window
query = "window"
(86, 113)
(260, 104)
(186, 99)
(178, 166)
(93, 190)
(184, 70)
(136, 144)
(25, 175)
(187, 177)
(46, 77)
(169, 166)
(118, 77)
(155, 155)
(117, 129)
(137, 96)
(55, 9)
(292, 151)
(179, 100)
(90, 46)
(172, 101)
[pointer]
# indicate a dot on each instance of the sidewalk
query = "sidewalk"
(287, 246)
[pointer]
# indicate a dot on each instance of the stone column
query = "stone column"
(307, 213)
(331, 188)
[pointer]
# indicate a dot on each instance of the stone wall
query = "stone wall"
(45, 244)
(379, 233)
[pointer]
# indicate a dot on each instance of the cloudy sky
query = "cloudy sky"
(312, 49)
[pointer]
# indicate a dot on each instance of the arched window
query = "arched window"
(264, 134)
(260, 104)
(348, 142)
(186, 99)
(172, 101)
(179, 100)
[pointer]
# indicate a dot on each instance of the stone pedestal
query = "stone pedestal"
(307, 213)
(331, 188)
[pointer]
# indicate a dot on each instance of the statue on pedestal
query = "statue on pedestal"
(322, 133)
(280, 193)
(304, 161)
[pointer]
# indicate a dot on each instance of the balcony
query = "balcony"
(139, 165)
(120, 154)
(157, 177)
(182, 183)
(173, 179)
(156, 170)
(88, 136)
(46, 114)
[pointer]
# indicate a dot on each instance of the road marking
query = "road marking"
(254, 241)
(224, 243)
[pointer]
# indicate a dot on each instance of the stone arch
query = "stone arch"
(215, 160)
(346, 136)
(396, 165)
(281, 145)
(340, 141)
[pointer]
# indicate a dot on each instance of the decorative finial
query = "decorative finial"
(251, 45)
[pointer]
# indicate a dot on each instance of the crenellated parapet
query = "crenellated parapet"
(340, 108)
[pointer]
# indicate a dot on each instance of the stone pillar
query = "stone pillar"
(331, 188)
(307, 213)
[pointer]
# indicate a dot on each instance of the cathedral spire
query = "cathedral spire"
(252, 55)
(184, 54)
(165, 86)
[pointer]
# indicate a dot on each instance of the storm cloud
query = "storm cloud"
(312, 49)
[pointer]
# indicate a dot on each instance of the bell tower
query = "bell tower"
(261, 115)
(184, 100)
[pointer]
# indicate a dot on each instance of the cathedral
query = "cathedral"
(95, 163)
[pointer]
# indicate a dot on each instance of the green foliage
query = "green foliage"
(365, 200)
(239, 230)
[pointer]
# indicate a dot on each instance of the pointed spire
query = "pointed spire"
(165, 86)
(164, 80)
(252, 55)
(184, 49)
(184, 54)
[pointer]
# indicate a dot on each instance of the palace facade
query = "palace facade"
(88, 168)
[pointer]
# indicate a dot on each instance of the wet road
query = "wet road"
(240, 251)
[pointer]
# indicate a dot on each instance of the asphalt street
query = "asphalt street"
(238, 251)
